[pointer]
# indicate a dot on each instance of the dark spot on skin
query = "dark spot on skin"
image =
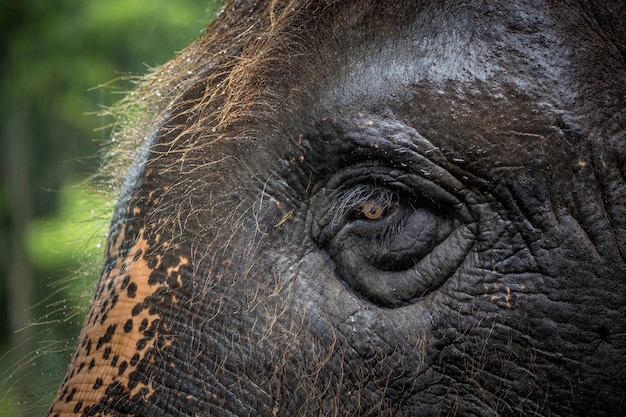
(110, 331)
(152, 280)
(134, 359)
(132, 290)
(144, 325)
(133, 380)
(80, 368)
(98, 383)
(107, 336)
(137, 255)
(99, 292)
(151, 331)
(78, 406)
(69, 397)
(110, 284)
(63, 394)
(128, 326)
(115, 359)
(125, 282)
(136, 310)
(107, 353)
(114, 300)
(109, 267)
(123, 367)
(141, 344)
(123, 269)
(92, 364)
(88, 348)
(152, 263)
(103, 318)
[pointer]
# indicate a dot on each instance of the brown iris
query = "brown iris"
(374, 210)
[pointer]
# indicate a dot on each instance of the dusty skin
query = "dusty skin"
(369, 208)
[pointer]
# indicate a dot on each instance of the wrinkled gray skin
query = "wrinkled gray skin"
(399, 209)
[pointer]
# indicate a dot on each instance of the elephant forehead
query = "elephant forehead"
(119, 333)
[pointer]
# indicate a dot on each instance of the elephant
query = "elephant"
(369, 208)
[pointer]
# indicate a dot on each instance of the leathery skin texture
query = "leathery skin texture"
(371, 208)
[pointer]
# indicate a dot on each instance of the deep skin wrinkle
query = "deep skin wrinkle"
(374, 209)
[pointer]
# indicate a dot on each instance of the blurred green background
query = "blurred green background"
(61, 63)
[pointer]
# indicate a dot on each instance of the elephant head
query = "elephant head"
(371, 208)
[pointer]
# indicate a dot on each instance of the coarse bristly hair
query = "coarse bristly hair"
(220, 83)
(234, 74)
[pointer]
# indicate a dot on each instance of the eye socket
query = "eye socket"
(393, 244)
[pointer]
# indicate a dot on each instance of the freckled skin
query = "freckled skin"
(373, 209)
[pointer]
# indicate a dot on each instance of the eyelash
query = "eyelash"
(365, 202)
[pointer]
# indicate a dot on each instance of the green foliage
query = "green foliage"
(74, 236)
(66, 49)
(61, 63)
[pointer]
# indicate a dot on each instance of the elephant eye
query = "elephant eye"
(391, 244)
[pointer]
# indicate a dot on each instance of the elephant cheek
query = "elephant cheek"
(118, 333)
